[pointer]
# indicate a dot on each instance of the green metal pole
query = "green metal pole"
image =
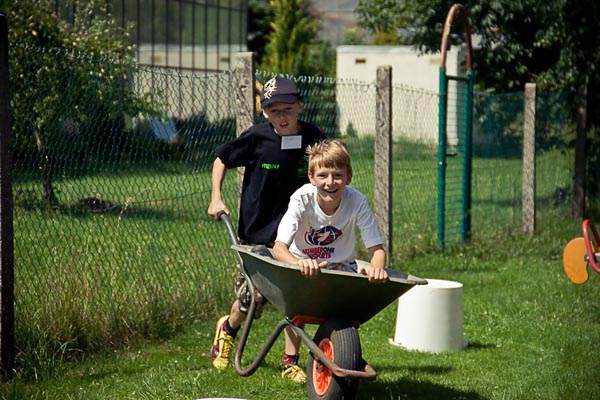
(467, 160)
(441, 158)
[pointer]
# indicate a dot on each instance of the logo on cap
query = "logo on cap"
(270, 88)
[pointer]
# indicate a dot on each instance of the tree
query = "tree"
(553, 43)
(259, 27)
(383, 18)
(292, 47)
(67, 80)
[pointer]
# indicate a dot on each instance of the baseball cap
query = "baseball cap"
(278, 90)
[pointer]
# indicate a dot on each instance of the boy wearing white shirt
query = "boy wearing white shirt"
(318, 229)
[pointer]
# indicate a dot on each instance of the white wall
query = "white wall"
(416, 87)
(185, 90)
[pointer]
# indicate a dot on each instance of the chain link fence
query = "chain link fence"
(112, 238)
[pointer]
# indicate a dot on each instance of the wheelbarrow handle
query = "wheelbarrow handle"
(222, 215)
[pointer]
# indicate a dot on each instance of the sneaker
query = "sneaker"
(220, 351)
(293, 373)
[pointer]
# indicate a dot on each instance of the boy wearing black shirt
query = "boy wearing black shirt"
(273, 154)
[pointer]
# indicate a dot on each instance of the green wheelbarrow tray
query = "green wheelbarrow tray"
(331, 294)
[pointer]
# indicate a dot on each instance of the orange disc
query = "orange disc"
(574, 261)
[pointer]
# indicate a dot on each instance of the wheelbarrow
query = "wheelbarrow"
(582, 252)
(337, 301)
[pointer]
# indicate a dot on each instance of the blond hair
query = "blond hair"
(329, 154)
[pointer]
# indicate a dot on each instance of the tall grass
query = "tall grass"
(89, 280)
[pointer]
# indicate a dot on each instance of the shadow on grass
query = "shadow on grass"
(480, 346)
(88, 208)
(410, 389)
(407, 389)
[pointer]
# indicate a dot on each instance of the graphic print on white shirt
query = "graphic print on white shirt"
(309, 232)
(321, 237)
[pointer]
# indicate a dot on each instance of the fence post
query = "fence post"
(7, 308)
(245, 76)
(528, 199)
(383, 156)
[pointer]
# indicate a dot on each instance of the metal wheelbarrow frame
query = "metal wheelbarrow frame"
(339, 302)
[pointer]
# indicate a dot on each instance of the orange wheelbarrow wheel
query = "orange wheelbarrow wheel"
(340, 342)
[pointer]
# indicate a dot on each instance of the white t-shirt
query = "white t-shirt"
(310, 233)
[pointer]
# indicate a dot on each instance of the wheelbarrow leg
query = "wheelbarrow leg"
(244, 338)
(251, 311)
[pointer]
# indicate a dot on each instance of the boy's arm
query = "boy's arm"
(308, 267)
(219, 171)
(377, 272)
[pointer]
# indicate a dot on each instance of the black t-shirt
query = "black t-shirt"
(270, 177)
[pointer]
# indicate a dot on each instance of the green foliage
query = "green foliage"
(292, 47)
(554, 43)
(356, 36)
(518, 38)
(259, 26)
(320, 61)
(383, 18)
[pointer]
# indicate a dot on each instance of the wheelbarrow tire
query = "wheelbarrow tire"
(339, 340)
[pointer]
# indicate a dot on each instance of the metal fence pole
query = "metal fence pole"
(528, 200)
(7, 308)
(383, 156)
(467, 173)
(441, 159)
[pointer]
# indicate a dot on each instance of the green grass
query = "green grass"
(532, 335)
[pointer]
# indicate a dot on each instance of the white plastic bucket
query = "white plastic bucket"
(430, 318)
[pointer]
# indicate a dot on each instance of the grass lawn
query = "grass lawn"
(532, 335)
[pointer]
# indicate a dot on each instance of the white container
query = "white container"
(430, 318)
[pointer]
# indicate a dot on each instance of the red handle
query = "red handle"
(587, 226)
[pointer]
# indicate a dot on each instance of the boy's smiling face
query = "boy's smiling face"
(330, 184)
(284, 117)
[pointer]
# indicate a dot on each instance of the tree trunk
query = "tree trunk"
(45, 171)
(578, 206)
